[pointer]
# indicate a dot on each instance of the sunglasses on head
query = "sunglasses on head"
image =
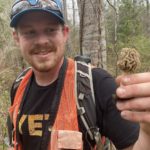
(21, 5)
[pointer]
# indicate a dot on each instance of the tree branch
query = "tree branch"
(112, 6)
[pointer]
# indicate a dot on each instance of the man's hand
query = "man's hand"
(134, 103)
(134, 97)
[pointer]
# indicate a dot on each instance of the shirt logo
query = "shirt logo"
(34, 123)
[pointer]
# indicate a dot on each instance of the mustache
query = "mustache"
(42, 48)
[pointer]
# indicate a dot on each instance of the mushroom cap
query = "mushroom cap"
(129, 60)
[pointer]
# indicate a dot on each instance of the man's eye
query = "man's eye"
(50, 30)
(29, 33)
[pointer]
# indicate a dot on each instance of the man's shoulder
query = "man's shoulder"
(100, 74)
(17, 82)
(104, 84)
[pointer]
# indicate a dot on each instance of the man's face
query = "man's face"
(41, 39)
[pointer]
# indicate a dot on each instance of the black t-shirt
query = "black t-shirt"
(37, 105)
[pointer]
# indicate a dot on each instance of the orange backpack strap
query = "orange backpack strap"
(67, 113)
(14, 109)
(65, 131)
(18, 96)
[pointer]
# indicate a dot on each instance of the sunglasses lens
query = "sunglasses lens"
(20, 6)
(33, 2)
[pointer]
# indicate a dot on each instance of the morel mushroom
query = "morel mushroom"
(129, 60)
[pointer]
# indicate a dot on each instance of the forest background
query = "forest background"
(99, 29)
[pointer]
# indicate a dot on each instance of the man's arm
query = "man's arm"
(135, 89)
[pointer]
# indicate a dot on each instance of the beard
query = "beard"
(43, 58)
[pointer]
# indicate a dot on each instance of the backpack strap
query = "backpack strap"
(16, 84)
(14, 88)
(85, 98)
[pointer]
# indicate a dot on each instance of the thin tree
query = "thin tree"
(92, 31)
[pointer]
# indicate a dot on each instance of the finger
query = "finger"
(135, 90)
(133, 78)
(142, 117)
(139, 104)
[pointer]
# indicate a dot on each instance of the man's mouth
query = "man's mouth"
(41, 52)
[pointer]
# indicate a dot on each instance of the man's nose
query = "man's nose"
(42, 39)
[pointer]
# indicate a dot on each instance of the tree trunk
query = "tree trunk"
(92, 31)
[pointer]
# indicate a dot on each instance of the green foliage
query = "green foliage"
(4, 103)
(2, 6)
(129, 21)
(131, 32)
(142, 43)
(6, 79)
